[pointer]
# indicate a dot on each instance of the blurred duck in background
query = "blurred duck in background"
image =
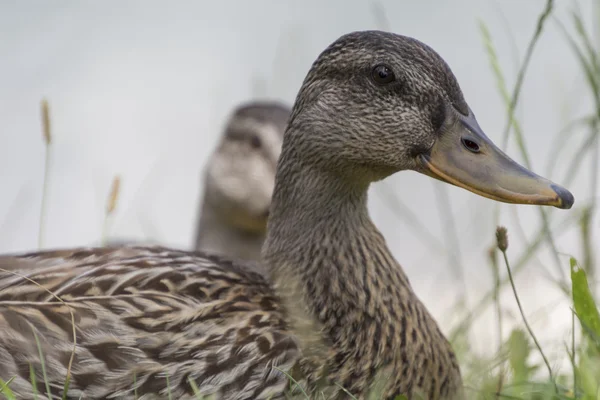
(239, 180)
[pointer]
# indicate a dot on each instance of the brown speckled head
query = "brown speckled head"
(357, 120)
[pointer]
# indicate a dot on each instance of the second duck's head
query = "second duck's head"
(241, 172)
(375, 103)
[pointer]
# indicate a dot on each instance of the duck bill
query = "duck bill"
(464, 156)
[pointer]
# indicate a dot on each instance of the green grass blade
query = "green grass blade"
(66, 387)
(42, 362)
(135, 386)
(297, 385)
(346, 391)
(587, 66)
(5, 389)
(519, 353)
(587, 41)
(169, 387)
(195, 389)
(583, 301)
(33, 380)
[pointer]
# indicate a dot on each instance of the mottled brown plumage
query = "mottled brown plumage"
(142, 314)
(328, 303)
(239, 179)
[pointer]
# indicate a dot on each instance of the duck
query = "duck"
(328, 310)
(238, 180)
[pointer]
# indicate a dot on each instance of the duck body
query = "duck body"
(327, 303)
(147, 321)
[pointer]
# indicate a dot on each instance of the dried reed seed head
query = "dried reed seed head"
(502, 238)
(46, 122)
(114, 195)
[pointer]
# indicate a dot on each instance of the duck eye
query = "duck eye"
(255, 142)
(382, 74)
(470, 145)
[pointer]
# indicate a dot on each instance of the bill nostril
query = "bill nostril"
(566, 197)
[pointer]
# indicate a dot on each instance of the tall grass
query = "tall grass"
(111, 206)
(523, 380)
(47, 136)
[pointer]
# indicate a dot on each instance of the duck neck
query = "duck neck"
(347, 300)
(324, 252)
(216, 235)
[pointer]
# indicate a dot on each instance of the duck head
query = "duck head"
(375, 103)
(241, 172)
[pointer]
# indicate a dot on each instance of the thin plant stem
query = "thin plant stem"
(451, 235)
(403, 212)
(511, 120)
(496, 273)
(588, 240)
(111, 205)
(486, 299)
(521, 75)
(537, 344)
(381, 20)
(47, 135)
(105, 230)
(43, 213)
(573, 351)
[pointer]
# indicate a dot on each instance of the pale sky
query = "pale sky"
(141, 89)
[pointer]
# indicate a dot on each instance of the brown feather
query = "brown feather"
(142, 314)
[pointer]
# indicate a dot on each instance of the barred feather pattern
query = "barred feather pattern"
(147, 321)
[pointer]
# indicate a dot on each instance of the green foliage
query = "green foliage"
(585, 307)
(5, 389)
(519, 352)
(588, 369)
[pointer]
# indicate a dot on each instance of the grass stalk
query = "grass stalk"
(382, 22)
(42, 361)
(404, 213)
(451, 234)
(496, 276)
(33, 380)
(511, 103)
(293, 381)
(567, 133)
(111, 206)
(587, 246)
(544, 234)
(521, 77)
(47, 135)
(487, 299)
(170, 396)
(573, 350)
(502, 241)
(5, 389)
